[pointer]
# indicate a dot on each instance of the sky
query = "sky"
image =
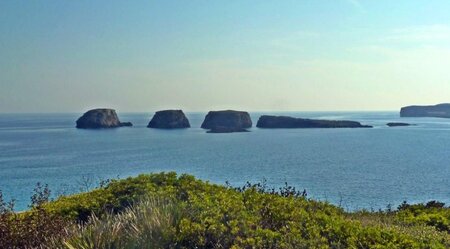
(200, 55)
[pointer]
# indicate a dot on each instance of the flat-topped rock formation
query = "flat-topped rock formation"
(396, 124)
(267, 121)
(169, 119)
(100, 118)
(437, 111)
(227, 121)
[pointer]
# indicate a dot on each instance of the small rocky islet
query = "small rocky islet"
(169, 119)
(397, 124)
(227, 121)
(99, 119)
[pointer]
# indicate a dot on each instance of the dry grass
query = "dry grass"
(149, 224)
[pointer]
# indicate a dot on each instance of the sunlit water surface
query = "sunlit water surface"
(358, 168)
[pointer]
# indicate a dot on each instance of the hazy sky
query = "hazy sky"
(69, 56)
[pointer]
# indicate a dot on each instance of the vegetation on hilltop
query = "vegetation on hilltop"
(169, 211)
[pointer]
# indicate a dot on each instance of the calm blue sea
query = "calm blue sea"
(359, 168)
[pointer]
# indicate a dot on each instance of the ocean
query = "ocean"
(353, 168)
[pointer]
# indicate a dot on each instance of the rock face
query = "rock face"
(437, 111)
(169, 119)
(290, 122)
(100, 118)
(227, 121)
(397, 124)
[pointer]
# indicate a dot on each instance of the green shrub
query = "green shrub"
(431, 214)
(32, 229)
(189, 213)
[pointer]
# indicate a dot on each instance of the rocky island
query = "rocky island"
(436, 111)
(227, 121)
(169, 119)
(267, 121)
(100, 118)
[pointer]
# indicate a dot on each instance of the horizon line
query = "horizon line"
(153, 111)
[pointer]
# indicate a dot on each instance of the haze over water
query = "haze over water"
(359, 168)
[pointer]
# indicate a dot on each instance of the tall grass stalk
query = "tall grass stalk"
(149, 224)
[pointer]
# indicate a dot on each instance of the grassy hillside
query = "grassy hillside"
(169, 211)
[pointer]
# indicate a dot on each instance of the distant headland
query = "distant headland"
(437, 111)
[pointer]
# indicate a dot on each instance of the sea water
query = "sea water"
(354, 168)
